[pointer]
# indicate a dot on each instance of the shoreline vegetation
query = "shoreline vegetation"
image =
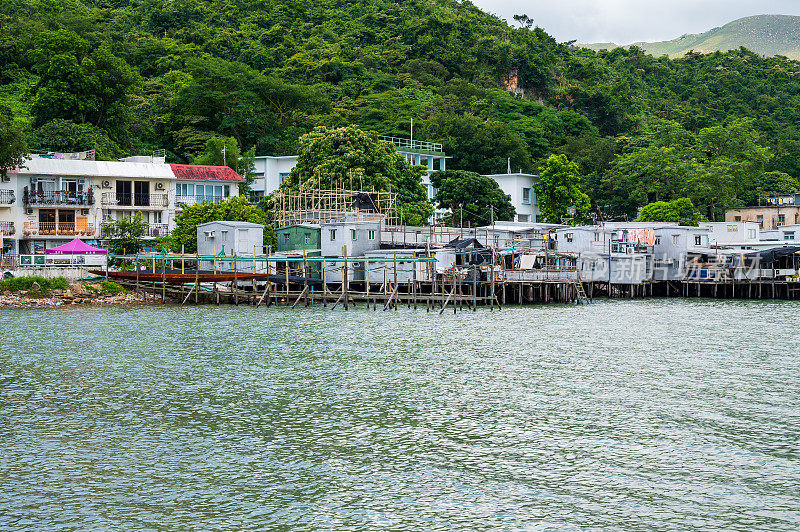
(38, 292)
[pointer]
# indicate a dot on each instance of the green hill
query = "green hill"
(767, 35)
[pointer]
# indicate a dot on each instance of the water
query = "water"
(629, 414)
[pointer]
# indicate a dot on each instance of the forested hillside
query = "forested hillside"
(130, 76)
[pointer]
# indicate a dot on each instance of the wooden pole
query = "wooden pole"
(345, 279)
(235, 278)
(163, 278)
(137, 272)
(197, 276)
(414, 281)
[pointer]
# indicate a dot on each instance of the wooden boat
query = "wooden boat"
(176, 277)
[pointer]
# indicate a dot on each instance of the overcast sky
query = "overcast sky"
(627, 21)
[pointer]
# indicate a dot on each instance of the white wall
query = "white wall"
(344, 237)
(268, 170)
(726, 233)
(512, 184)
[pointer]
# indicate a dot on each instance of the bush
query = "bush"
(16, 284)
(110, 288)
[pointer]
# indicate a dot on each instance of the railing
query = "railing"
(58, 228)
(7, 197)
(195, 198)
(157, 230)
(153, 230)
(58, 197)
(412, 144)
(135, 200)
(7, 228)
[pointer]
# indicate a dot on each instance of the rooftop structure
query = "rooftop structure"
(322, 206)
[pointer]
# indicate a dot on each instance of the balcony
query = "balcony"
(151, 200)
(7, 197)
(58, 198)
(198, 198)
(7, 228)
(153, 230)
(58, 228)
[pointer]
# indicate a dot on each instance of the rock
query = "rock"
(68, 294)
(35, 287)
(77, 289)
(56, 292)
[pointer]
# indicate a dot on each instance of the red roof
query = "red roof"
(205, 172)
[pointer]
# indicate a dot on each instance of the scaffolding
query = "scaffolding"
(336, 205)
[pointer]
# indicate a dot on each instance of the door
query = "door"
(66, 222)
(123, 192)
(47, 221)
(141, 193)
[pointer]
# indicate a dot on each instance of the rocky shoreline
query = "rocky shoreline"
(78, 294)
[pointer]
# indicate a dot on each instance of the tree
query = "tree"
(221, 151)
(125, 235)
(473, 199)
(680, 211)
(353, 159)
(79, 82)
(12, 146)
(67, 136)
(236, 209)
(558, 189)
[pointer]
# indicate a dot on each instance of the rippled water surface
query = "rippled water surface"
(629, 414)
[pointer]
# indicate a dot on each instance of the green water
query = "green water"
(631, 414)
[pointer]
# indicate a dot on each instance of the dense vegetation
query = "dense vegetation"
(129, 76)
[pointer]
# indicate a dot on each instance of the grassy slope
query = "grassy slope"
(767, 35)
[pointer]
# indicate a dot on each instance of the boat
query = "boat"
(178, 277)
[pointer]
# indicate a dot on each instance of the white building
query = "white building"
(521, 188)
(196, 183)
(225, 238)
(47, 202)
(270, 172)
(737, 235)
(56, 200)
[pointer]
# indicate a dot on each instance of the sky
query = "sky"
(627, 21)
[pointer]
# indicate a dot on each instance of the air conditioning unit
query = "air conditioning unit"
(106, 184)
(34, 181)
(159, 186)
(28, 211)
(85, 212)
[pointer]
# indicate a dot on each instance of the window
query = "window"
(156, 217)
(523, 217)
(286, 238)
(226, 191)
(781, 219)
(354, 234)
(526, 195)
(788, 235)
(658, 241)
(568, 236)
(676, 239)
(372, 235)
(760, 220)
(333, 234)
(698, 240)
(751, 234)
(307, 239)
(737, 218)
(282, 177)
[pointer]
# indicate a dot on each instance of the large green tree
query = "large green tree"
(473, 199)
(559, 191)
(353, 159)
(80, 82)
(12, 146)
(680, 211)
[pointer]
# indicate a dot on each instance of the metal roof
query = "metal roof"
(79, 168)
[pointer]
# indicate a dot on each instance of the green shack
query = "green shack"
(300, 237)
